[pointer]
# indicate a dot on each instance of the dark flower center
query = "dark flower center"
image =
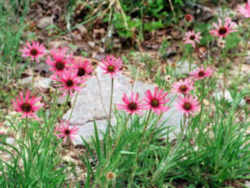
(111, 68)
(154, 103)
(132, 106)
(187, 106)
(201, 74)
(192, 37)
(69, 83)
(183, 88)
(33, 52)
(81, 72)
(60, 65)
(26, 107)
(67, 132)
(222, 30)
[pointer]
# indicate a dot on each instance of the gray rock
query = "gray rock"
(92, 103)
(247, 184)
(45, 22)
(27, 80)
(91, 44)
(43, 83)
(82, 29)
(183, 67)
(10, 141)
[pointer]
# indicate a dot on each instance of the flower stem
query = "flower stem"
(110, 106)
(72, 108)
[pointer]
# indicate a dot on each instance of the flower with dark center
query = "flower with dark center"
(60, 65)
(132, 104)
(156, 101)
(201, 73)
(83, 67)
(192, 37)
(33, 50)
(182, 87)
(187, 104)
(222, 30)
(58, 60)
(111, 65)
(69, 83)
(67, 132)
(111, 69)
(81, 72)
(27, 105)
(64, 131)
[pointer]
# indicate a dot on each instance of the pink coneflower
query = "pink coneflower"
(188, 18)
(192, 38)
(69, 82)
(34, 50)
(244, 10)
(83, 67)
(156, 101)
(59, 61)
(27, 105)
(201, 73)
(64, 131)
(188, 105)
(132, 105)
(111, 65)
(223, 29)
(182, 87)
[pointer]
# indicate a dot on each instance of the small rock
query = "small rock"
(91, 44)
(57, 44)
(45, 22)
(10, 140)
(26, 80)
(82, 29)
(43, 83)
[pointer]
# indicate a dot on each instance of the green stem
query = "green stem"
(74, 103)
(110, 106)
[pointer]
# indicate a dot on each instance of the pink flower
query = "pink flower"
(27, 105)
(63, 130)
(182, 87)
(201, 73)
(156, 101)
(223, 29)
(245, 10)
(189, 17)
(187, 104)
(191, 38)
(111, 65)
(59, 62)
(69, 82)
(34, 50)
(83, 67)
(132, 105)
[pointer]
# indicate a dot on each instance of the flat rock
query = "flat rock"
(45, 22)
(92, 103)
